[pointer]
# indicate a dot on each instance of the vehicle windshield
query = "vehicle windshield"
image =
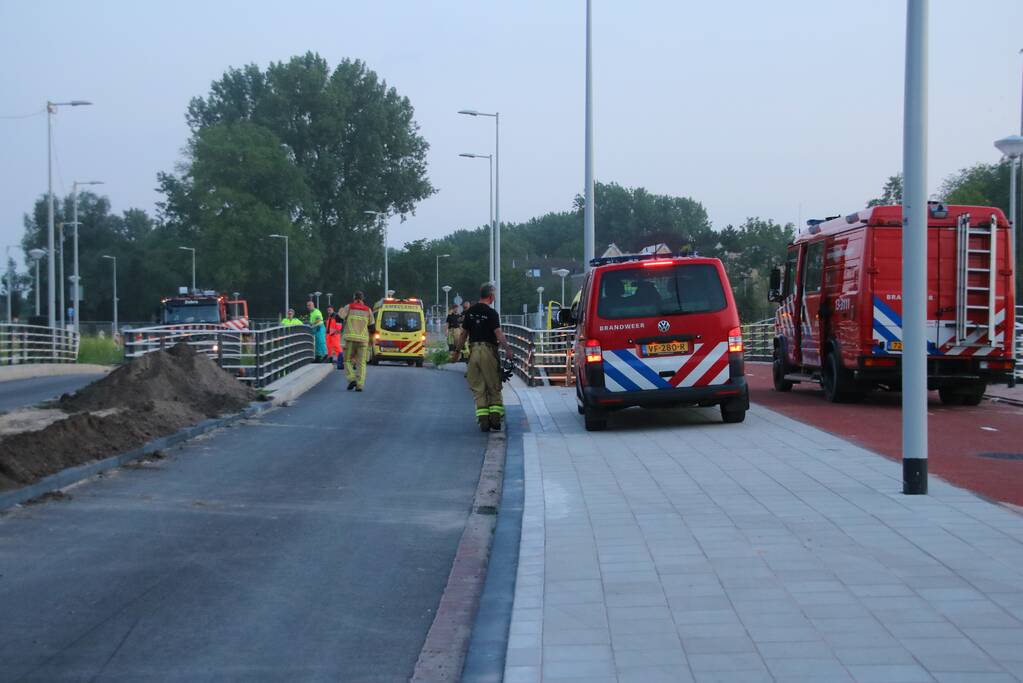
(400, 321)
(653, 291)
(182, 313)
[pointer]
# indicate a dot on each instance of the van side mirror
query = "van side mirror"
(565, 317)
(774, 288)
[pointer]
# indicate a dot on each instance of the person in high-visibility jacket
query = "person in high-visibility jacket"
(357, 328)
(319, 330)
(290, 319)
(333, 334)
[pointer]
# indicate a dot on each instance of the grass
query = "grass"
(99, 351)
(437, 353)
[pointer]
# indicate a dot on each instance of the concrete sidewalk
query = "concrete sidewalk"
(677, 548)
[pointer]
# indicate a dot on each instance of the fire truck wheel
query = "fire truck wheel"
(594, 419)
(961, 396)
(778, 372)
(837, 382)
(950, 396)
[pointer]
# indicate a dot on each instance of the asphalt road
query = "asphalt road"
(312, 543)
(961, 439)
(19, 393)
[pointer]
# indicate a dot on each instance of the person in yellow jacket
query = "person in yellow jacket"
(290, 319)
(355, 339)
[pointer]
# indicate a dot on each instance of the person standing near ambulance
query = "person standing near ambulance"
(481, 329)
(318, 329)
(355, 339)
(333, 324)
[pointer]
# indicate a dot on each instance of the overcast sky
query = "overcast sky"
(775, 109)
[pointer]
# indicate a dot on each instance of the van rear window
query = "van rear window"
(400, 321)
(648, 292)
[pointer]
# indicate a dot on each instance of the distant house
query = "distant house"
(659, 248)
(611, 251)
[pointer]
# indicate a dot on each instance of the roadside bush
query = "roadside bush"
(99, 350)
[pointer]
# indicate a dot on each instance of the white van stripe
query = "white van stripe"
(612, 385)
(629, 371)
(705, 365)
(722, 376)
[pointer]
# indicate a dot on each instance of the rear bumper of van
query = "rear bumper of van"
(736, 389)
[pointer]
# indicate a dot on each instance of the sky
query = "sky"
(785, 110)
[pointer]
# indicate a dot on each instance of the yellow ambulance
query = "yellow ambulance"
(400, 332)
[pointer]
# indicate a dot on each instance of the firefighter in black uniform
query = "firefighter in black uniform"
(481, 328)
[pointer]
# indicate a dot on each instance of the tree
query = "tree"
(891, 193)
(352, 145)
(978, 185)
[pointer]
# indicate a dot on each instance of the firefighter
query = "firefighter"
(355, 337)
(481, 329)
(290, 319)
(318, 329)
(333, 324)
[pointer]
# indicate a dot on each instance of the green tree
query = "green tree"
(978, 185)
(351, 141)
(891, 193)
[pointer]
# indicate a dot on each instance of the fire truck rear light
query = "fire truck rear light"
(593, 351)
(735, 340)
(656, 263)
(996, 365)
(879, 362)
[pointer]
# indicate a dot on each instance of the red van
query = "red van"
(656, 331)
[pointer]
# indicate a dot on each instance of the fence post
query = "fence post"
(220, 350)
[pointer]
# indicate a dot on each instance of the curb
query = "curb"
(9, 373)
(447, 641)
(297, 383)
(74, 475)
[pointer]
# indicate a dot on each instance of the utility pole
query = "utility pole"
(914, 254)
(589, 231)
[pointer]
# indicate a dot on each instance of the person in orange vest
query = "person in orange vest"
(333, 334)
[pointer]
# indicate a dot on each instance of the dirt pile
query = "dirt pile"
(152, 396)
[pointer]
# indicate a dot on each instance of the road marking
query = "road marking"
(989, 429)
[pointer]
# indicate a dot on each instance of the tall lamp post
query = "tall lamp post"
(9, 277)
(497, 200)
(490, 158)
(439, 257)
(1012, 147)
(562, 273)
(192, 249)
(51, 109)
(60, 271)
(382, 216)
(287, 294)
(914, 254)
(76, 297)
(589, 238)
(330, 295)
(539, 306)
(114, 260)
(35, 255)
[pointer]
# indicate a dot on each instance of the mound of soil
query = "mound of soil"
(152, 396)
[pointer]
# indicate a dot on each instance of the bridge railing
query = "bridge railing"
(1019, 343)
(758, 340)
(257, 357)
(20, 344)
(542, 356)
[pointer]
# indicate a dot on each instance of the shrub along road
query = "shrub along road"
(312, 543)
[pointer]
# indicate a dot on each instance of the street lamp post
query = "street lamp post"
(378, 214)
(439, 257)
(287, 294)
(539, 306)
(589, 233)
(490, 158)
(35, 255)
(330, 295)
(51, 109)
(562, 273)
(446, 289)
(10, 284)
(76, 297)
(60, 273)
(914, 254)
(497, 201)
(113, 334)
(192, 249)
(1012, 147)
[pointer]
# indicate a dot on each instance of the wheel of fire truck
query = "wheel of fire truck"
(594, 419)
(779, 369)
(970, 395)
(837, 382)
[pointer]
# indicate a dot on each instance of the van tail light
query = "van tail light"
(422, 338)
(593, 352)
(735, 340)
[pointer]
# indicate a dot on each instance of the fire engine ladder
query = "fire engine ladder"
(970, 259)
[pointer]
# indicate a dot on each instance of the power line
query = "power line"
(25, 116)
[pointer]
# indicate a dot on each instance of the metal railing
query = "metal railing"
(20, 344)
(542, 356)
(257, 357)
(1018, 336)
(758, 340)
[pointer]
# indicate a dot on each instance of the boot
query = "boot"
(495, 422)
(484, 423)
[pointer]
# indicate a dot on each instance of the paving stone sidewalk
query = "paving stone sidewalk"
(677, 548)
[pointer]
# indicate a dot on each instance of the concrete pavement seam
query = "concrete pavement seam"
(447, 641)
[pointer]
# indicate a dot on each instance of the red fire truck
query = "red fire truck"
(839, 320)
(204, 308)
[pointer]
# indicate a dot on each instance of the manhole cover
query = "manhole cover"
(1002, 456)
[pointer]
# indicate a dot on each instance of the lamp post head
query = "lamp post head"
(36, 254)
(446, 288)
(540, 289)
(562, 272)
(1011, 146)
(469, 112)
(80, 103)
(187, 248)
(112, 258)
(443, 255)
